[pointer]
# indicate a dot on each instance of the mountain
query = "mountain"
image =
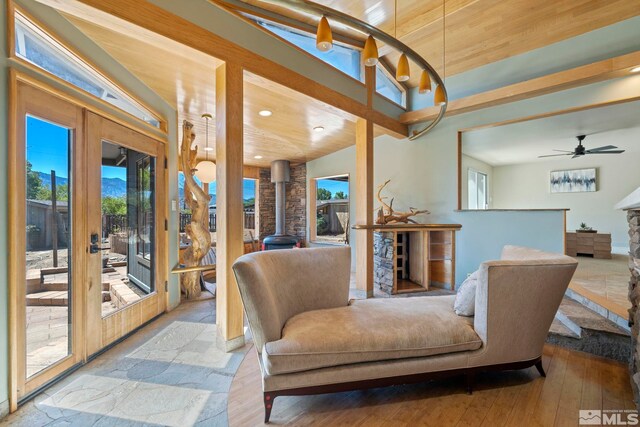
(116, 187)
(113, 187)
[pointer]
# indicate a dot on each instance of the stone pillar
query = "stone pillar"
(634, 296)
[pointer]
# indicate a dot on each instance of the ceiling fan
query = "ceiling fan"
(580, 150)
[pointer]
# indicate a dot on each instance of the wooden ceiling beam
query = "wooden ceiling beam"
(587, 74)
(160, 21)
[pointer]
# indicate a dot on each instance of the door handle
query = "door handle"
(94, 248)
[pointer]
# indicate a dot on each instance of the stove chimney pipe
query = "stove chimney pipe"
(280, 175)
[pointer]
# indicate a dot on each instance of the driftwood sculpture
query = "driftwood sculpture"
(198, 201)
(386, 214)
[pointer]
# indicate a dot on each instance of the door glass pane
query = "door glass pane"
(128, 232)
(48, 251)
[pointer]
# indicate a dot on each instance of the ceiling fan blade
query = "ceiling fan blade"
(554, 155)
(605, 152)
(563, 151)
(606, 147)
(576, 155)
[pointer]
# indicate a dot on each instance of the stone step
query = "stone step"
(580, 328)
(48, 298)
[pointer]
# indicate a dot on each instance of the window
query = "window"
(40, 49)
(388, 88)
(477, 188)
(332, 209)
(343, 58)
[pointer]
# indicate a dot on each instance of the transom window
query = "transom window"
(34, 45)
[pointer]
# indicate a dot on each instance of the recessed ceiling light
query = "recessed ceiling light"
(208, 148)
(265, 113)
(257, 157)
(635, 70)
(318, 129)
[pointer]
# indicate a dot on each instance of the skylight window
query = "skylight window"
(388, 88)
(40, 49)
(343, 58)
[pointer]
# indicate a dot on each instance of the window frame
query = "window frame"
(313, 225)
(486, 189)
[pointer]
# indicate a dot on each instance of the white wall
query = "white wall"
(479, 166)
(527, 186)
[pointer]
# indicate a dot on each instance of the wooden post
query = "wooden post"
(229, 204)
(54, 218)
(364, 194)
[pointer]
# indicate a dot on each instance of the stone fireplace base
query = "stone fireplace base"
(634, 296)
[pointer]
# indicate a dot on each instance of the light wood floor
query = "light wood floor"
(574, 381)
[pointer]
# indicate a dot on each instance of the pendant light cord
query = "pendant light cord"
(444, 43)
(206, 136)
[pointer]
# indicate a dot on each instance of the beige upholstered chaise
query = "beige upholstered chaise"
(311, 340)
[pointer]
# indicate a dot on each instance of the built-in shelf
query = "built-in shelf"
(413, 257)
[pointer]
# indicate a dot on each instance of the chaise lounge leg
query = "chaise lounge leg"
(540, 368)
(268, 405)
(471, 379)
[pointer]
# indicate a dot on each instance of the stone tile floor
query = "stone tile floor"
(170, 373)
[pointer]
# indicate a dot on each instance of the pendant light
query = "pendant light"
(370, 52)
(324, 38)
(206, 170)
(438, 97)
(402, 70)
(425, 82)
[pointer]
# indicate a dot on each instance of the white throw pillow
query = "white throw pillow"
(465, 303)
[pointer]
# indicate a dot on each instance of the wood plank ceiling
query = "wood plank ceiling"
(185, 78)
(478, 32)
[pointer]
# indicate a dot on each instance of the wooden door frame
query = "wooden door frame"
(26, 99)
(123, 321)
(80, 239)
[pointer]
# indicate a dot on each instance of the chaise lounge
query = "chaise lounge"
(311, 339)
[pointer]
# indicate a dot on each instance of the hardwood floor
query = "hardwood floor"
(574, 381)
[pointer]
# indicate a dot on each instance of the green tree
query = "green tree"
(340, 195)
(324, 194)
(249, 202)
(114, 205)
(34, 183)
(62, 193)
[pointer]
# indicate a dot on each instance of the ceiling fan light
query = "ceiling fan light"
(324, 38)
(425, 82)
(370, 52)
(206, 171)
(438, 97)
(402, 71)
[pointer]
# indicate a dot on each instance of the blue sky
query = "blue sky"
(47, 147)
(334, 186)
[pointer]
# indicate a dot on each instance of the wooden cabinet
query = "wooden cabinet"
(596, 244)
